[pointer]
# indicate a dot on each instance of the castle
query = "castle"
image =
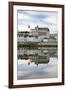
(36, 35)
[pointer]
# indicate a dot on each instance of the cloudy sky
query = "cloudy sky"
(41, 18)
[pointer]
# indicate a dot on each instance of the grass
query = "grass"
(34, 46)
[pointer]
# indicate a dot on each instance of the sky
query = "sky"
(33, 18)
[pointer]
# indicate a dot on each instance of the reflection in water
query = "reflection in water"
(37, 63)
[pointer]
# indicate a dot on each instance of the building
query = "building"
(24, 34)
(40, 31)
(38, 34)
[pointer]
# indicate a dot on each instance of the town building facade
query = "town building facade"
(38, 34)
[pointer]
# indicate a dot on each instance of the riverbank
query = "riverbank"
(34, 46)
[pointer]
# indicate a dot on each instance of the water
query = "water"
(37, 63)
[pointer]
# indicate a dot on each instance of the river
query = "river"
(37, 63)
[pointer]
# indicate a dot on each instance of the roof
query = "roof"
(43, 28)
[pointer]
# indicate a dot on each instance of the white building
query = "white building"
(39, 34)
(35, 35)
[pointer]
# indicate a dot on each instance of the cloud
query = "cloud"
(32, 15)
(51, 20)
(40, 18)
(24, 16)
